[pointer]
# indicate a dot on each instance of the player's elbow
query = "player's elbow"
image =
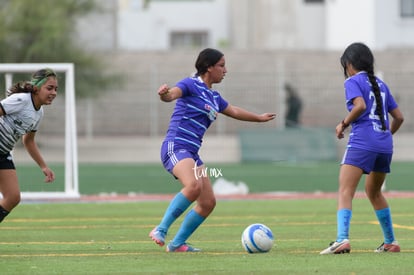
(27, 141)
(399, 120)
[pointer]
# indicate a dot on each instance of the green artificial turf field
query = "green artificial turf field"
(112, 238)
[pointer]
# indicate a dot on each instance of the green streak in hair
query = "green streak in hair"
(39, 82)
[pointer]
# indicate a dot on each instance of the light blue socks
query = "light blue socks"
(177, 206)
(190, 223)
(343, 217)
(384, 218)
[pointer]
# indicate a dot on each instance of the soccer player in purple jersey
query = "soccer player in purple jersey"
(370, 146)
(197, 106)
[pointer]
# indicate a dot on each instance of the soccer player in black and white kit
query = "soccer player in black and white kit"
(20, 114)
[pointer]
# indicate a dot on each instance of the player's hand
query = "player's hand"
(340, 131)
(50, 176)
(267, 116)
(163, 90)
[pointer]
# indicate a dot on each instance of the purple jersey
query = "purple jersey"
(366, 131)
(193, 114)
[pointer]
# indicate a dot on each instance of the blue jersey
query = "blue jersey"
(193, 113)
(366, 131)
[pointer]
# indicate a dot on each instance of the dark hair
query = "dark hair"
(207, 58)
(38, 79)
(362, 59)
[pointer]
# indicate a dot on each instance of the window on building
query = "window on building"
(314, 1)
(407, 8)
(180, 40)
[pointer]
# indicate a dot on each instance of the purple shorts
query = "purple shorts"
(172, 154)
(368, 161)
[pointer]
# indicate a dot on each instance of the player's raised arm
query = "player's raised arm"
(169, 94)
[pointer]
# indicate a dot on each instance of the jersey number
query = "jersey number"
(374, 117)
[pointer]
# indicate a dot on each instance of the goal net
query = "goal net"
(69, 185)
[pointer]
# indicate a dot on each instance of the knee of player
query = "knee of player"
(12, 200)
(210, 203)
(193, 189)
(206, 206)
(373, 194)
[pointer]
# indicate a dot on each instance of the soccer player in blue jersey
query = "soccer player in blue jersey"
(370, 146)
(20, 116)
(197, 106)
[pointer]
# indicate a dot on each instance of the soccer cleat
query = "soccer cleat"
(181, 248)
(337, 248)
(391, 247)
(158, 236)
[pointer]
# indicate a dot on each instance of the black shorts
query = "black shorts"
(6, 161)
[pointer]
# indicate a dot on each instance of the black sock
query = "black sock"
(3, 213)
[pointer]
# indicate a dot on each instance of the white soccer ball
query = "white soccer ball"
(257, 238)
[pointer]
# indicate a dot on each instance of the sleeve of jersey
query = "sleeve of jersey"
(12, 104)
(391, 103)
(352, 89)
(222, 104)
(36, 127)
(184, 86)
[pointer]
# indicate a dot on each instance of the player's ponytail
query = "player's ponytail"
(378, 99)
(20, 87)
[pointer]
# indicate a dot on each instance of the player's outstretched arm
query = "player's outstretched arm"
(242, 114)
(169, 94)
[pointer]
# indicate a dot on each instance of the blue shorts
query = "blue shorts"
(368, 161)
(172, 154)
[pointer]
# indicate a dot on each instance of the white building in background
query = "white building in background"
(248, 24)
(161, 25)
(380, 23)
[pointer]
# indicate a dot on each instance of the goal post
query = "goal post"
(71, 182)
